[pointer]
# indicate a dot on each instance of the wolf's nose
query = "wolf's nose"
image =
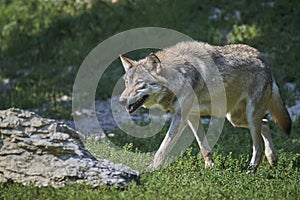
(122, 101)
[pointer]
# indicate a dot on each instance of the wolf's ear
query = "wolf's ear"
(153, 62)
(126, 62)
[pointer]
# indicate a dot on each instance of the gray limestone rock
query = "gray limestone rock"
(40, 151)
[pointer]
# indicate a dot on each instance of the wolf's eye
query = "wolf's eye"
(141, 87)
(139, 82)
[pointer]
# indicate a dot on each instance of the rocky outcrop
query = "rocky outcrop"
(40, 151)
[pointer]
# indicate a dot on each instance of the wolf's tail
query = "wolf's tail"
(278, 110)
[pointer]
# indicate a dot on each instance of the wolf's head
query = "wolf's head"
(142, 86)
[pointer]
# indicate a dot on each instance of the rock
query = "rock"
(40, 151)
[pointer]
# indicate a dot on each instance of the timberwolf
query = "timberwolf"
(163, 79)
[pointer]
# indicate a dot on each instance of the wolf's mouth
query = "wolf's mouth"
(133, 107)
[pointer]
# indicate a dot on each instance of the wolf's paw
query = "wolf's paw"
(251, 169)
(272, 159)
(209, 164)
(154, 166)
(150, 168)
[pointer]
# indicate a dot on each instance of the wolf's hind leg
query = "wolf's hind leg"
(270, 151)
(254, 117)
(194, 122)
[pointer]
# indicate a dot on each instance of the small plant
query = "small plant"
(242, 33)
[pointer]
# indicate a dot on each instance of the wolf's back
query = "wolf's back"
(278, 110)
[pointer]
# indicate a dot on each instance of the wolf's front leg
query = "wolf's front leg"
(176, 128)
(194, 122)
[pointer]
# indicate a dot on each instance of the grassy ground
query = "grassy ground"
(42, 45)
(186, 178)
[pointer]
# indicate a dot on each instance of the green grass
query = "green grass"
(178, 183)
(42, 45)
(186, 178)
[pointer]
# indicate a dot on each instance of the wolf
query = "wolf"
(175, 79)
